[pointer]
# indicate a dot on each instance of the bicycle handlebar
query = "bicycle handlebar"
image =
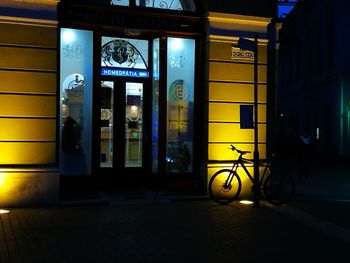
(233, 148)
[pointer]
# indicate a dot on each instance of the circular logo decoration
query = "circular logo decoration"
(74, 85)
(178, 91)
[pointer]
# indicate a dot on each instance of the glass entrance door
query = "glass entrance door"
(133, 124)
(121, 124)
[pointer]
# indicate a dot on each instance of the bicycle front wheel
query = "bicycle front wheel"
(224, 186)
(279, 188)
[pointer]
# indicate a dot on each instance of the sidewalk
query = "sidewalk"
(173, 232)
(327, 181)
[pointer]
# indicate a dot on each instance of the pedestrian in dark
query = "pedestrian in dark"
(71, 136)
(305, 156)
(284, 150)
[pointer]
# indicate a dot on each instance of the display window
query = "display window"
(76, 81)
(127, 102)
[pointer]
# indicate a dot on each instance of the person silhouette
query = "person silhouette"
(305, 156)
(70, 136)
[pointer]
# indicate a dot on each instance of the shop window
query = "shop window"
(76, 101)
(180, 103)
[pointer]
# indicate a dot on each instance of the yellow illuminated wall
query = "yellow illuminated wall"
(231, 84)
(27, 93)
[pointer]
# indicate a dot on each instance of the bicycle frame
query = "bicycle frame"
(225, 185)
(242, 161)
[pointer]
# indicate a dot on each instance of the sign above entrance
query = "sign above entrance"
(131, 73)
(73, 12)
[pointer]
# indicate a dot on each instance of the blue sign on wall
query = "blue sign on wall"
(246, 116)
(131, 73)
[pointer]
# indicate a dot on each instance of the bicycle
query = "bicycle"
(225, 185)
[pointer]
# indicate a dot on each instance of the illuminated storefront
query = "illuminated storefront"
(135, 104)
(148, 91)
(127, 88)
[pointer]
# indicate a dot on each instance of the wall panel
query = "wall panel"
(20, 153)
(231, 132)
(27, 129)
(28, 67)
(235, 72)
(28, 35)
(27, 58)
(27, 82)
(29, 106)
(239, 92)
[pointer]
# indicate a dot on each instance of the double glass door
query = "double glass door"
(121, 124)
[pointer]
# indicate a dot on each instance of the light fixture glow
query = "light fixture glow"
(246, 202)
(133, 111)
(68, 36)
(176, 43)
(4, 211)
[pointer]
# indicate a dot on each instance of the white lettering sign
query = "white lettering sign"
(239, 54)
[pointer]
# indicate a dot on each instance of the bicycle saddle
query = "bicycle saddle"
(239, 151)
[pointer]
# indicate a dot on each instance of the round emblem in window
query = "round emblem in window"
(178, 91)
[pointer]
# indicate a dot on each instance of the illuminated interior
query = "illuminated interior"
(133, 124)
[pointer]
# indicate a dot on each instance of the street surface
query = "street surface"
(174, 231)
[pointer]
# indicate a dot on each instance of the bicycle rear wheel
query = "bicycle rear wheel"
(224, 186)
(279, 188)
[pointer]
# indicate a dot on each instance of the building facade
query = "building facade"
(148, 92)
(28, 95)
(314, 75)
